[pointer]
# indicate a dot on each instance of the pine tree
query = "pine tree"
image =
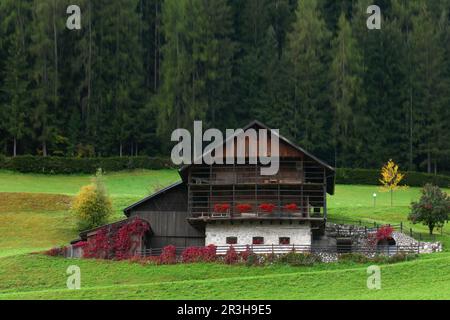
(44, 50)
(347, 96)
(16, 81)
(306, 53)
(196, 67)
(429, 83)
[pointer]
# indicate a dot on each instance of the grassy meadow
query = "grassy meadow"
(35, 215)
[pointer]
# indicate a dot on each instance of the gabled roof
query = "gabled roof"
(255, 123)
(154, 195)
(282, 138)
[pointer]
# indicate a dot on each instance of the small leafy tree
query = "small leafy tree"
(433, 208)
(391, 177)
(92, 206)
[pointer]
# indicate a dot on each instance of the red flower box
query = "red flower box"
(267, 207)
(221, 207)
(244, 208)
(291, 207)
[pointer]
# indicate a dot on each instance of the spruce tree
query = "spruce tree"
(16, 81)
(306, 53)
(347, 96)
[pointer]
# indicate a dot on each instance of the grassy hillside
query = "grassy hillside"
(123, 280)
(34, 209)
(34, 215)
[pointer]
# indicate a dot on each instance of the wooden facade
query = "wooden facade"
(179, 214)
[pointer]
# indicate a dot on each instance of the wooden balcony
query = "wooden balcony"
(289, 173)
(303, 214)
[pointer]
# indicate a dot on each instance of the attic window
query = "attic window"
(231, 240)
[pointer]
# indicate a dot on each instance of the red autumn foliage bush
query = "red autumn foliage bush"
(56, 252)
(168, 255)
(98, 247)
(231, 257)
(119, 243)
(80, 244)
(221, 207)
(199, 254)
(245, 254)
(291, 207)
(384, 233)
(267, 207)
(128, 238)
(244, 207)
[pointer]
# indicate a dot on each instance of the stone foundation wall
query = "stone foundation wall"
(217, 233)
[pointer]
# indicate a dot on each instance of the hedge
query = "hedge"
(372, 176)
(61, 165)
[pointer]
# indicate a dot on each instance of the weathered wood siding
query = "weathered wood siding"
(167, 215)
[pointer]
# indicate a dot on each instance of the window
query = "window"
(258, 240)
(231, 240)
(285, 240)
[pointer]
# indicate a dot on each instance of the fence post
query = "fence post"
(410, 232)
(365, 230)
(401, 227)
(272, 250)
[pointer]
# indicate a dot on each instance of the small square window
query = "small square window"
(231, 240)
(285, 240)
(258, 240)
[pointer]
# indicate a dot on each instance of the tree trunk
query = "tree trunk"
(15, 147)
(44, 148)
(429, 162)
(120, 150)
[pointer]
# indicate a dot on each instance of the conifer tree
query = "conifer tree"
(347, 96)
(306, 53)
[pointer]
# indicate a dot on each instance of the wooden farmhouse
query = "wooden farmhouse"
(233, 204)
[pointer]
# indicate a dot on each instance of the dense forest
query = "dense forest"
(138, 69)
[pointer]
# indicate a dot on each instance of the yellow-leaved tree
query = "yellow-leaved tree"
(92, 206)
(391, 178)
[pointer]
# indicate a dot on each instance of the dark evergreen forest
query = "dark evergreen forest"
(138, 69)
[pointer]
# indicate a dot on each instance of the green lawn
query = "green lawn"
(27, 277)
(34, 208)
(136, 183)
(35, 215)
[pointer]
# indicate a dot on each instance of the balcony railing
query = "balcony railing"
(290, 172)
(305, 213)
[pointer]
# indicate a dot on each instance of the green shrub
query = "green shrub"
(372, 176)
(62, 165)
(298, 259)
(401, 256)
(353, 257)
(92, 206)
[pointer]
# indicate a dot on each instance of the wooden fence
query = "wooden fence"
(282, 249)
